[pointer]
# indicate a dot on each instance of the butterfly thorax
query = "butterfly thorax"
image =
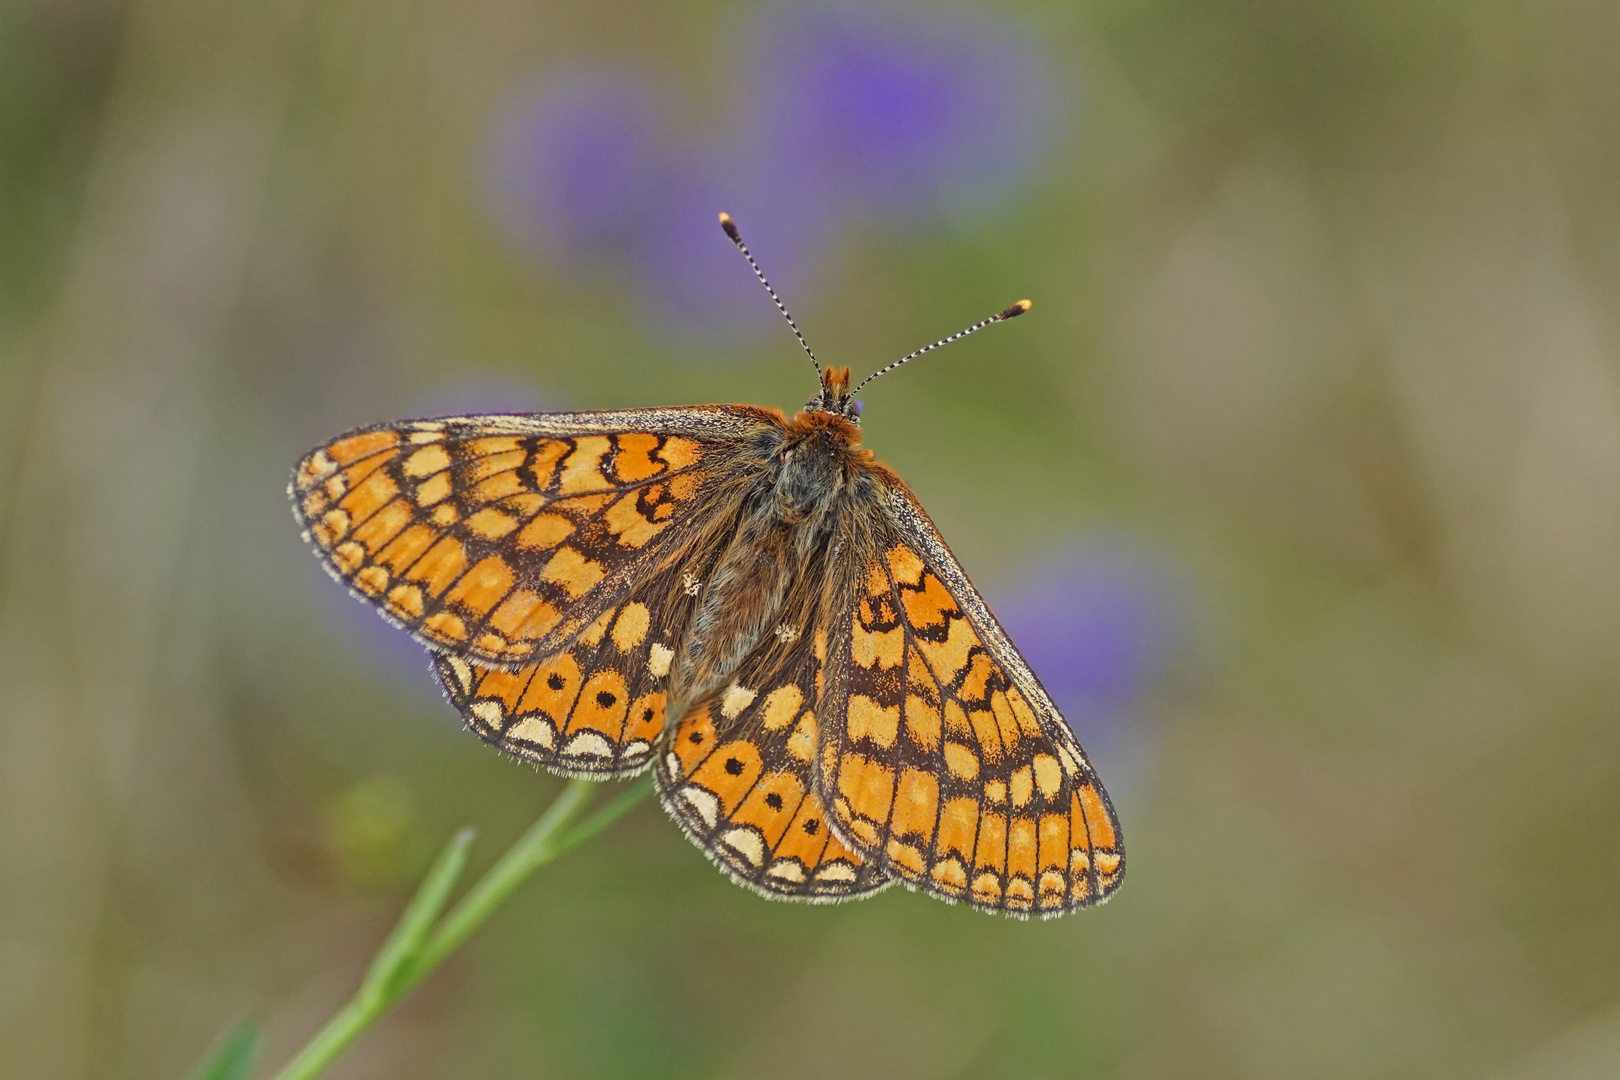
(819, 459)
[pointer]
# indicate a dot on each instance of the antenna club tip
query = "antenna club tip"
(1016, 310)
(730, 226)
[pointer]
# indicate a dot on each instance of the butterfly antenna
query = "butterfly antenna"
(736, 238)
(1001, 316)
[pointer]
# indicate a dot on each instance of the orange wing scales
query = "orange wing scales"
(479, 543)
(943, 771)
(594, 709)
(737, 775)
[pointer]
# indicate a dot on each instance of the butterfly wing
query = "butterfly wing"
(738, 777)
(595, 708)
(501, 538)
(947, 763)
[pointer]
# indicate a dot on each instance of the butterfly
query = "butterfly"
(750, 605)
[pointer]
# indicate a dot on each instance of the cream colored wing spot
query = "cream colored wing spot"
(588, 744)
(736, 699)
(348, 557)
(463, 671)
(426, 461)
(372, 580)
(489, 712)
(703, 802)
(333, 526)
(315, 468)
(536, 730)
(658, 658)
(747, 843)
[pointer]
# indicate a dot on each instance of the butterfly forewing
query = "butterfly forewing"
(952, 769)
(500, 538)
(738, 775)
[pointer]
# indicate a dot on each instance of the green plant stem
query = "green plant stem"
(418, 945)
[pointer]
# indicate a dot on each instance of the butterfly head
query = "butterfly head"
(835, 397)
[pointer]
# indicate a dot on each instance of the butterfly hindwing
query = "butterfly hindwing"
(597, 707)
(500, 537)
(952, 768)
(738, 776)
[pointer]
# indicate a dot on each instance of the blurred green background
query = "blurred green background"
(1315, 427)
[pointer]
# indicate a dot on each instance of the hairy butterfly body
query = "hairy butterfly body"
(745, 602)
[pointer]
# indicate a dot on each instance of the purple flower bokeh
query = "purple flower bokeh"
(898, 114)
(847, 116)
(1098, 626)
(575, 163)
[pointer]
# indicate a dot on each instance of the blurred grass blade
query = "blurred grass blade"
(405, 941)
(613, 811)
(533, 849)
(234, 1055)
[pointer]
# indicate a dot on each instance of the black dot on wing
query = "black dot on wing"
(774, 801)
(555, 681)
(811, 826)
(734, 766)
(695, 738)
(605, 699)
(647, 714)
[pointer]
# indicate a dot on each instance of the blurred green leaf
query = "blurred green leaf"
(234, 1055)
(414, 925)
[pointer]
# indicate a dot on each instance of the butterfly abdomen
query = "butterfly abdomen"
(738, 605)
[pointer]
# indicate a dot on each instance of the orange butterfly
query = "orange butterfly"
(746, 602)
